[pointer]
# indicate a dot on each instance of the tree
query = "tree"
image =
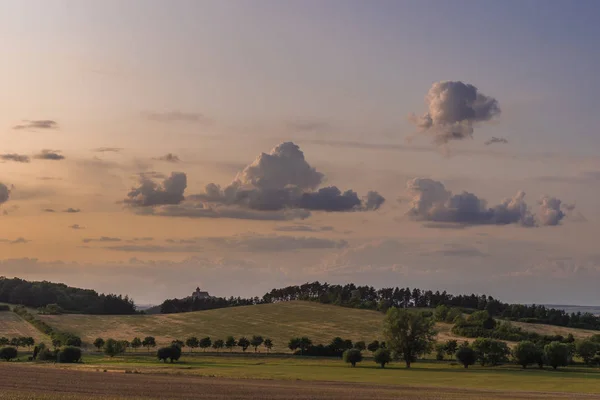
(408, 334)
(302, 343)
(373, 346)
(490, 351)
(218, 344)
(440, 351)
(360, 345)
(124, 345)
(337, 345)
(230, 343)
(586, 349)
(29, 341)
(178, 343)
(56, 343)
(15, 342)
(148, 342)
(8, 353)
(451, 347)
(136, 343)
(556, 354)
(466, 356)
(205, 343)
(441, 312)
(113, 347)
(192, 342)
(99, 343)
(268, 343)
(243, 343)
(4, 341)
(525, 353)
(172, 353)
(256, 341)
(352, 356)
(69, 354)
(382, 356)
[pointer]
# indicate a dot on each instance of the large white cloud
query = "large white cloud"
(453, 109)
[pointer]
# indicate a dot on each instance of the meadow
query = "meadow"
(11, 325)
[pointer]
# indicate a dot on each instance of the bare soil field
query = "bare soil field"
(42, 382)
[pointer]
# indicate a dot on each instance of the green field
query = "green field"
(11, 325)
(422, 374)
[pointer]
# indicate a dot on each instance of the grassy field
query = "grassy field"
(11, 325)
(426, 380)
(279, 321)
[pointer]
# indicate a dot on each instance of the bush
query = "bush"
(586, 349)
(171, 353)
(466, 356)
(113, 347)
(352, 356)
(4, 307)
(382, 356)
(490, 351)
(8, 353)
(374, 346)
(557, 354)
(69, 354)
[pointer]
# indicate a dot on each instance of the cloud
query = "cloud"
(453, 109)
(170, 157)
(107, 150)
(37, 124)
(150, 193)
(19, 240)
(175, 116)
(76, 226)
(432, 202)
(47, 154)
(496, 140)
(307, 126)
(283, 180)
(4, 193)
(72, 210)
(155, 249)
(303, 228)
(275, 243)
(49, 210)
(21, 158)
(202, 210)
(101, 239)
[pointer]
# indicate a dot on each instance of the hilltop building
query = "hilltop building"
(198, 294)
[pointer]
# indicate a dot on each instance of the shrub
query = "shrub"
(113, 347)
(586, 349)
(382, 356)
(69, 354)
(99, 343)
(373, 346)
(8, 353)
(171, 353)
(352, 356)
(490, 351)
(4, 307)
(466, 356)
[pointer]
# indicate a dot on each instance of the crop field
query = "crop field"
(11, 325)
(279, 321)
(235, 377)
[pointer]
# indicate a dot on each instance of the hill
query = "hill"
(11, 325)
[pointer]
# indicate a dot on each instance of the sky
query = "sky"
(150, 147)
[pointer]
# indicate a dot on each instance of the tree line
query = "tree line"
(62, 298)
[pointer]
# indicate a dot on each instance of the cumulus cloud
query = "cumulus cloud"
(37, 124)
(432, 202)
(21, 158)
(496, 140)
(169, 157)
(47, 154)
(149, 193)
(454, 108)
(280, 185)
(101, 239)
(175, 116)
(283, 179)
